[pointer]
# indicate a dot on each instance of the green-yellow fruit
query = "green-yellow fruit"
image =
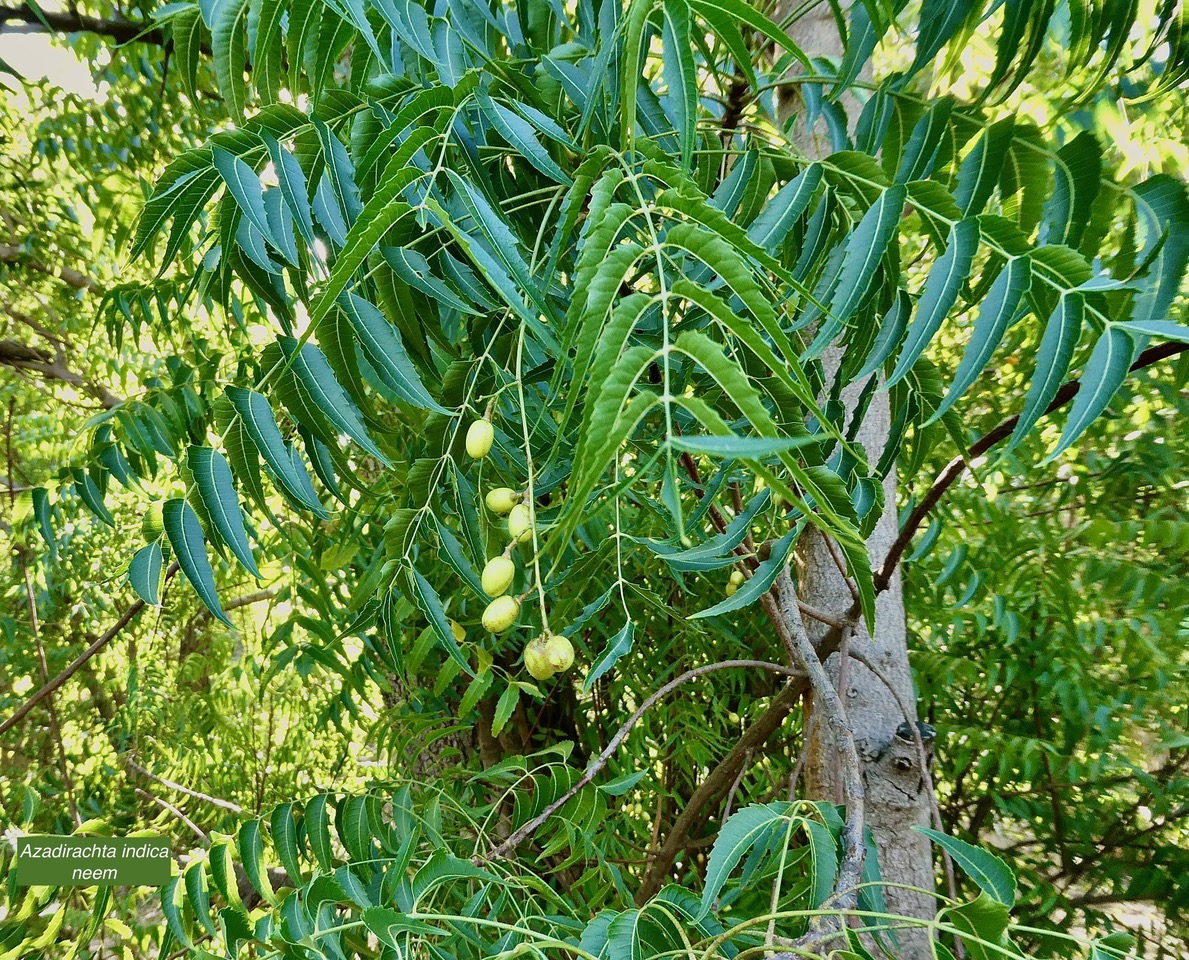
(536, 659)
(497, 575)
(520, 523)
(559, 653)
(480, 436)
(459, 633)
(731, 588)
(500, 614)
(737, 578)
(501, 500)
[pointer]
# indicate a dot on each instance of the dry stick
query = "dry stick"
(792, 628)
(594, 767)
(176, 812)
(225, 804)
(82, 658)
(956, 467)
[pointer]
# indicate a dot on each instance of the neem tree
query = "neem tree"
(559, 299)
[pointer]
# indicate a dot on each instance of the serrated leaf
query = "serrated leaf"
(680, 75)
(998, 311)
(521, 135)
(257, 418)
(216, 492)
(431, 605)
(504, 708)
(313, 372)
(229, 50)
(189, 547)
(737, 836)
(144, 573)
(944, 283)
(992, 875)
(620, 645)
(759, 582)
(1104, 373)
(1061, 335)
(386, 352)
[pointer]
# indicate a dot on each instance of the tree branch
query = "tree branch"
(14, 253)
(20, 356)
(68, 21)
(956, 467)
(82, 658)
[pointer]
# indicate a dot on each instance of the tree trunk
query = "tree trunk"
(896, 796)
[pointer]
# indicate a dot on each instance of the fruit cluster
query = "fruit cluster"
(549, 653)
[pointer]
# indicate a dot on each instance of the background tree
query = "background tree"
(594, 229)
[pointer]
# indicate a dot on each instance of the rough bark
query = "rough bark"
(896, 795)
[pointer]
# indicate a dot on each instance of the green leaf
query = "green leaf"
(891, 332)
(980, 170)
(521, 135)
(759, 582)
(1052, 362)
(144, 573)
(185, 536)
(1104, 373)
(1078, 174)
(865, 248)
(945, 281)
(619, 646)
(749, 448)
(229, 49)
(394, 929)
(681, 75)
(89, 493)
(431, 605)
(780, 214)
(999, 309)
(737, 836)
(317, 825)
(216, 493)
(504, 708)
(1164, 329)
(284, 839)
(260, 424)
(251, 855)
(993, 876)
(245, 187)
(386, 352)
(384, 208)
(293, 186)
(41, 510)
(313, 372)
(199, 896)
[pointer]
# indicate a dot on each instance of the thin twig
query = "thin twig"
(225, 804)
(593, 769)
(176, 812)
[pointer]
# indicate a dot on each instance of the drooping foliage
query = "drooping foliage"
(600, 227)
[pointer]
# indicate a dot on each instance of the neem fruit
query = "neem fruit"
(501, 500)
(559, 653)
(480, 436)
(497, 575)
(536, 659)
(737, 578)
(500, 614)
(520, 523)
